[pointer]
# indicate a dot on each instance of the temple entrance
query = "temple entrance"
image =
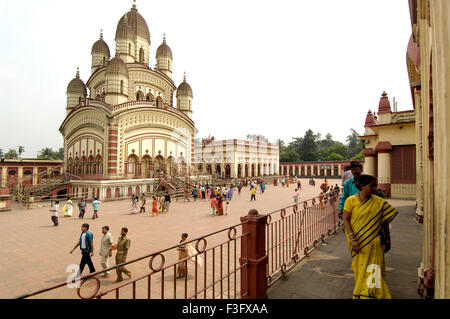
(170, 167)
(246, 170)
(209, 169)
(253, 170)
(259, 169)
(227, 171)
(218, 170)
(239, 171)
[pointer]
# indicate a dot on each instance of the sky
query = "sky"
(276, 68)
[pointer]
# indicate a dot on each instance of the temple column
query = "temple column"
(384, 166)
(369, 165)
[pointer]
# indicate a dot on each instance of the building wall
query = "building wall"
(430, 27)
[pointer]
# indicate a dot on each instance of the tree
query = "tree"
(11, 154)
(20, 149)
(355, 145)
(306, 146)
(48, 153)
(1, 153)
(359, 156)
(335, 157)
(254, 137)
(289, 155)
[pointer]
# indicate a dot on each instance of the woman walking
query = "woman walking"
(296, 196)
(219, 205)
(134, 205)
(154, 207)
(366, 222)
(68, 208)
(185, 251)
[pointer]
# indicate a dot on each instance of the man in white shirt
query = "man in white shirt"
(105, 248)
(54, 211)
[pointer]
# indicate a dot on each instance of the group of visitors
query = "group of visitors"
(86, 244)
(163, 201)
(68, 209)
(210, 191)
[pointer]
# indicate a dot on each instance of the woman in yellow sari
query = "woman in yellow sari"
(365, 219)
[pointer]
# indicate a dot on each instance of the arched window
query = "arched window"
(141, 55)
(121, 86)
(139, 96)
(150, 97)
(104, 60)
(98, 97)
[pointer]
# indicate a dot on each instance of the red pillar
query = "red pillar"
(253, 251)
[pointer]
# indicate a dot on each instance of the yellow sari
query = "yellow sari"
(368, 265)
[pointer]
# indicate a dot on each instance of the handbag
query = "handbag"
(385, 237)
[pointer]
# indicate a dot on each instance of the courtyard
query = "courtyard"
(36, 254)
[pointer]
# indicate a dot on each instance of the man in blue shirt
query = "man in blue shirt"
(95, 205)
(350, 185)
(86, 243)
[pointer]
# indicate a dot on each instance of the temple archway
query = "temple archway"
(239, 171)
(227, 171)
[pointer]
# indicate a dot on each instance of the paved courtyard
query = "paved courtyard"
(35, 254)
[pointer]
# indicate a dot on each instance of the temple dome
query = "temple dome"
(77, 86)
(164, 50)
(184, 89)
(384, 105)
(100, 46)
(117, 66)
(134, 24)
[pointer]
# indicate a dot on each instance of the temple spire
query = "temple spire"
(101, 34)
(78, 72)
(134, 4)
(184, 77)
(164, 38)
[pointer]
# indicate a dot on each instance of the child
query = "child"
(226, 208)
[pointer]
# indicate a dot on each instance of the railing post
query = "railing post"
(253, 252)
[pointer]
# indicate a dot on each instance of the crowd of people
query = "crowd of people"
(365, 213)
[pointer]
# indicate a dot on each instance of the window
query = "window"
(121, 86)
(403, 168)
(129, 48)
(104, 60)
(141, 55)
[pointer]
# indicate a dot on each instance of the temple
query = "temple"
(122, 128)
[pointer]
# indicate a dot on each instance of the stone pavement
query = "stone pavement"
(327, 272)
(35, 254)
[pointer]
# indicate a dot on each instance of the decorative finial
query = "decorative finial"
(78, 72)
(101, 34)
(134, 4)
(184, 78)
(164, 38)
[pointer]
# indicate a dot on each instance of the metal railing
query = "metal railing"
(286, 236)
(217, 276)
(293, 232)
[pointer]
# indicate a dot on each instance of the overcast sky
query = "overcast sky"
(275, 68)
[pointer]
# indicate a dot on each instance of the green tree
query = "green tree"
(1, 153)
(20, 149)
(289, 155)
(46, 153)
(355, 145)
(335, 157)
(254, 137)
(11, 154)
(306, 146)
(359, 156)
(60, 154)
